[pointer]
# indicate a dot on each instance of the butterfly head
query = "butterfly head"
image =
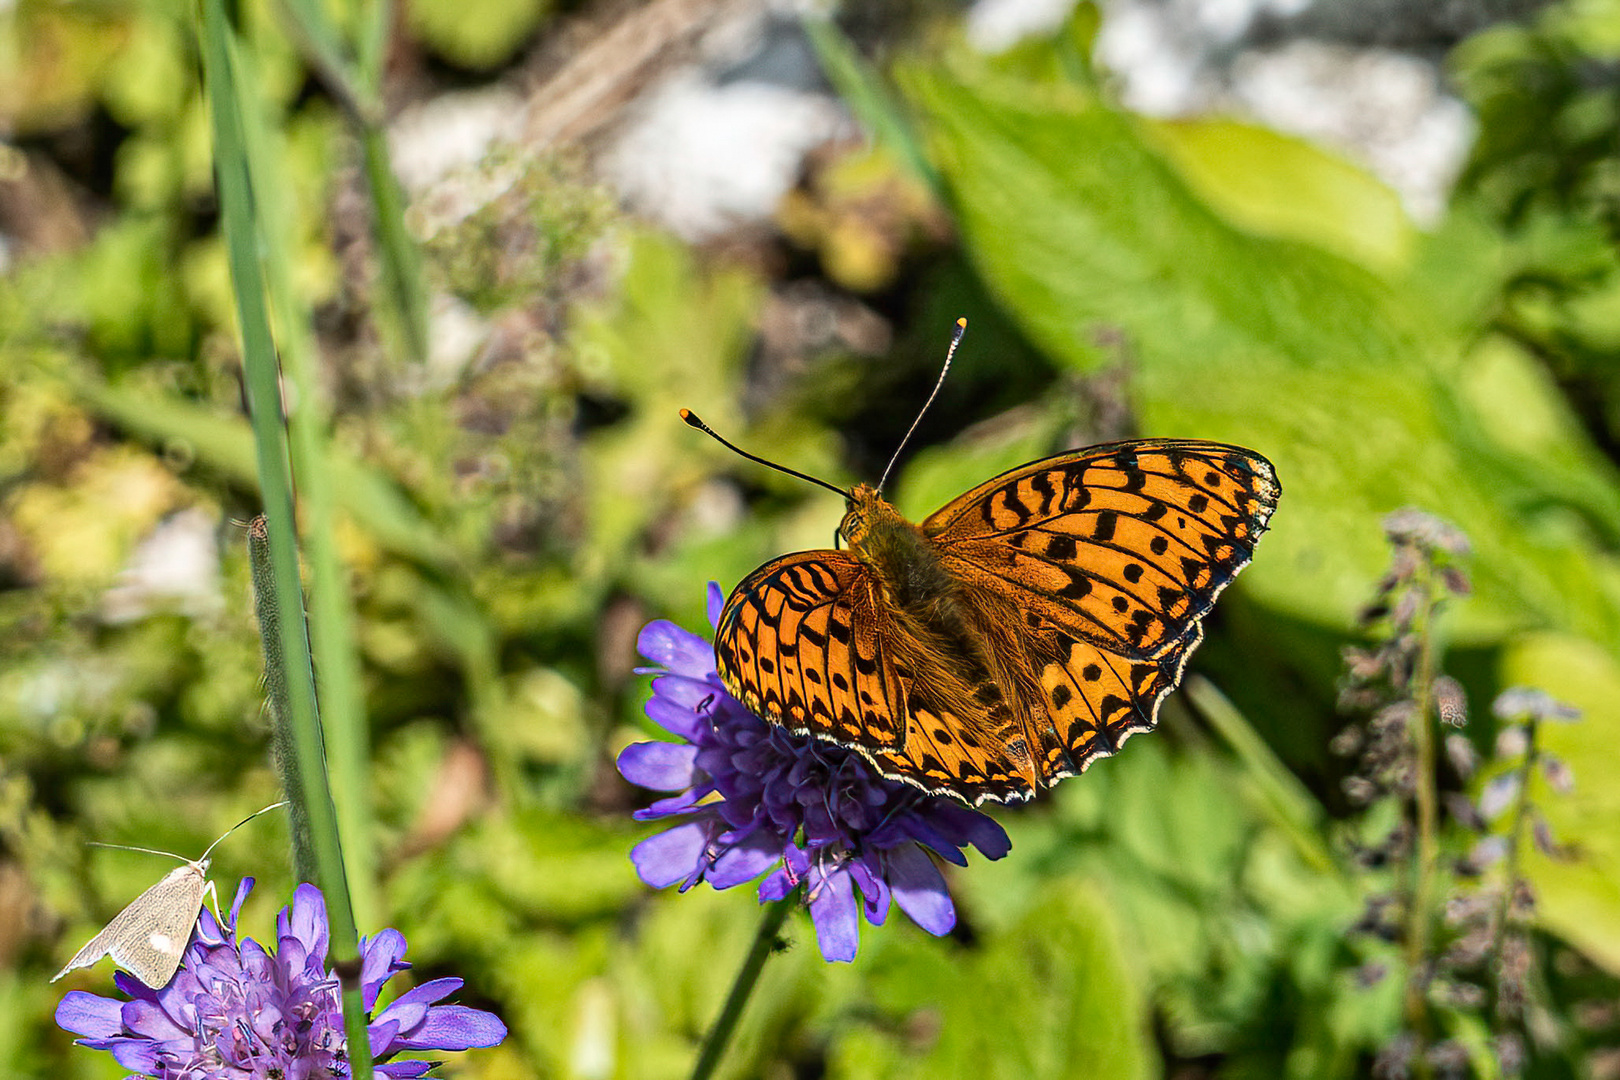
(874, 529)
(864, 510)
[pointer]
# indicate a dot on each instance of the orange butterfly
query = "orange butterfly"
(1026, 628)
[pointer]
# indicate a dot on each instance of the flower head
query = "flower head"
(753, 797)
(237, 1011)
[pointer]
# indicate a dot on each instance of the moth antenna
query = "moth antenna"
(692, 420)
(239, 824)
(956, 339)
(142, 850)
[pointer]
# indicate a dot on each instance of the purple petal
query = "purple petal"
(746, 860)
(972, 827)
(306, 921)
(91, 1016)
(689, 693)
(410, 1008)
(243, 887)
(674, 715)
(381, 957)
(920, 830)
(667, 857)
(684, 803)
(455, 1027)
(132, 986)
(207, 933)
(660, 766)
(777, 886)
(676, 650)
(404, 1070)
(148, 1020)
(873, 887)
(717, 603)
(381, 1035)
(137, 1055)
(920, 890)
(832, 909)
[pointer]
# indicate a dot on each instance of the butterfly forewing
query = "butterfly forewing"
(1125, 545)
(149, 936)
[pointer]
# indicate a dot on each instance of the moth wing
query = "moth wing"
(149, 936)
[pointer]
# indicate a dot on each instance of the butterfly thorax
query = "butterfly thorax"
(900, 558)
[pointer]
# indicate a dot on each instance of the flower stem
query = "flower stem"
(764, 942)
(1419, 915)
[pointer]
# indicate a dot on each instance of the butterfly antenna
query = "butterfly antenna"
(956, 339)
(692, 420)
(241, 823)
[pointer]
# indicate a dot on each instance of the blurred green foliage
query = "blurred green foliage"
(510, 518)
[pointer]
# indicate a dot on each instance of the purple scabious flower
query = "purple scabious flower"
(236, 1011)
(753, 797)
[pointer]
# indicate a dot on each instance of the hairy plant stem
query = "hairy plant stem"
(714, 1045)
(1420, 910)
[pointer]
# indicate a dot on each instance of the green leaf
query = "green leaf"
(1579, 899)
(1052, 996)
(1281, 186)
(1078, 223)
(481, 34)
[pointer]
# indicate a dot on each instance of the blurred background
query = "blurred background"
(1373, 240)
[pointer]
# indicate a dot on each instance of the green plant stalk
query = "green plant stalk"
(1419, 915)
(863, 91)
(297, 676)
(714, 1045)
(322, 48)
(371, 41)
(282, 752)
(396, 248)
(352, 72)
(1281, 796)
(331, 619)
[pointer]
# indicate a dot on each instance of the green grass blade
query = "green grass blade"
(1277, 790)
(863, 91)
(396, 248)
(331, 617)
(237, 212)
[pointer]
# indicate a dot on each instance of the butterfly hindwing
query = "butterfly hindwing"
(800, 641)
(1095, 699)
(1125, 545)
(806, 642)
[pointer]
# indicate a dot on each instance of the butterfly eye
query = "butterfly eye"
(852, 526)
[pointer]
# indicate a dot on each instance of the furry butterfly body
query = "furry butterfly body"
(1023, 630)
